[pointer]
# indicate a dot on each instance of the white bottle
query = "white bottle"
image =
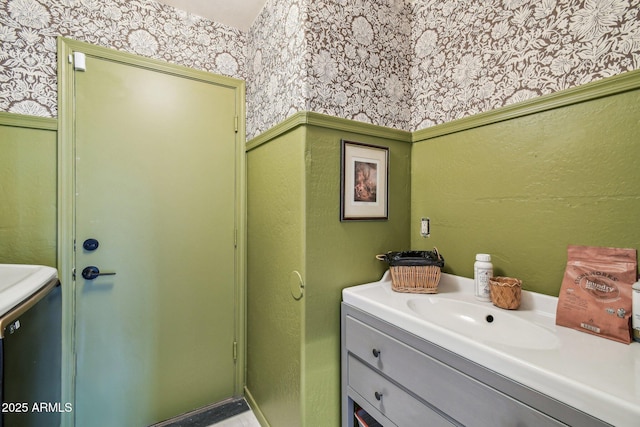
(635, 311)
(482, 271)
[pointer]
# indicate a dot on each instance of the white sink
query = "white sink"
(18, 282)
(595, 375)
(483, 322)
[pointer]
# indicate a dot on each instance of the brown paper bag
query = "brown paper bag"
(595, 296)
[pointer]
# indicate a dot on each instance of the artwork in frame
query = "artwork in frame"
(364, 182)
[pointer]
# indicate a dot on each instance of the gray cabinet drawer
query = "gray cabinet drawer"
(463, 398)
(393, 402)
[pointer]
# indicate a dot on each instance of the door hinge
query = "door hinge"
(235, 237)
(73, 274)
(235, 351)
(235, 119)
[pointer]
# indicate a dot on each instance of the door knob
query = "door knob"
(92, 272)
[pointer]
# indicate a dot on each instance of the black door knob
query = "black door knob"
(92, 272)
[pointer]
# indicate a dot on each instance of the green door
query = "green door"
(154, 204)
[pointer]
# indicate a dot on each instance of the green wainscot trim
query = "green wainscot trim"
(328, 122)
(144, 62)
(24, 121)
(609, 86)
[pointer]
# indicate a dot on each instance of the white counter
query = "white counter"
(598, 376)
(18, 282)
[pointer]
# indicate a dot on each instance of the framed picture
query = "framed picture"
(364, 182)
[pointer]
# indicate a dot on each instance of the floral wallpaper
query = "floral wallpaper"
(411, 64)
(277, 81)
(28, 31)
(346, 58)
(358, 59)
(490, 53)
(405, 64)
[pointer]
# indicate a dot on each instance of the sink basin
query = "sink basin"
(19, 281)
(483, 322)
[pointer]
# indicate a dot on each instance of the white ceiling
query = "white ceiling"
(234, 13)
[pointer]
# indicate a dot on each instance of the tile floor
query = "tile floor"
(231, 413)
(245, 419)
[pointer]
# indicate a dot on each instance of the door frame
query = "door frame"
(66, 200)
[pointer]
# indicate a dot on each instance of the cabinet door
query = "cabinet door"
(450, 391)
(391, 400)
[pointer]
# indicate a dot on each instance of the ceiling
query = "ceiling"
(234, 13)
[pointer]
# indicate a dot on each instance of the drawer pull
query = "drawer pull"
(376, 352)
(378, 395)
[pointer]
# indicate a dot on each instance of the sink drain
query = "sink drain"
(489, 318)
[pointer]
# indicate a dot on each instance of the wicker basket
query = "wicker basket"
(416, 272)
(415, 279)
(505, 292)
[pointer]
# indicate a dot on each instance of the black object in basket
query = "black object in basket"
(413, 258)
(414, 271)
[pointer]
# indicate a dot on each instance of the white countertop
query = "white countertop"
(19, 281)
(598, 376)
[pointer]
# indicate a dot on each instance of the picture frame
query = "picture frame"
(364, 182)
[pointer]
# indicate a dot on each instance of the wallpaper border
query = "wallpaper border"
(624, 82)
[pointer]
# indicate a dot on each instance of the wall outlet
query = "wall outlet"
(425, 227)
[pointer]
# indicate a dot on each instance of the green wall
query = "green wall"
(523, 189)
(293, 224)
(341, 254)
(28, 176)
(275, 229)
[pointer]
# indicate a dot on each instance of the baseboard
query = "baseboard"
(255, 408)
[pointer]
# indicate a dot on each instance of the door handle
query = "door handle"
(92, 272)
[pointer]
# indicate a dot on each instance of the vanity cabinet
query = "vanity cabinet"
(404, 380)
